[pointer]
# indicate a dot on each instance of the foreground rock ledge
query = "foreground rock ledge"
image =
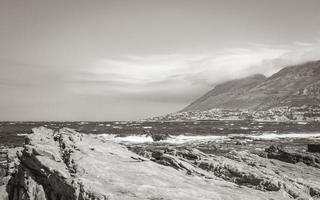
(67, 165)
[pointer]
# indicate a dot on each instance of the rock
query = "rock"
(246, 170)
(159, 137)
(234, 169)
(3, 192)
(157, 154)
(12, 163)
(250, 170)
(239, 142)
(2, 172)
(292, 156)
(190, 154)
(156, 136)
(42, 171)
(314, 148)
(171, 151)
(61, 166)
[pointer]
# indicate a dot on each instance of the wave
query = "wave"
(22, 134)
(274, 136)
(127, 139)
(180, 139)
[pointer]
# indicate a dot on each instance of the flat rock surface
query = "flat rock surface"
(69, 165)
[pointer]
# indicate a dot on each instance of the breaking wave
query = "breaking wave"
(273, 136)
(180, 139)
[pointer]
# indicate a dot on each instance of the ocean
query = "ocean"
(12, 133)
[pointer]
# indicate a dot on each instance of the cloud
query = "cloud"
(184, 77)
(161, 77)
(145, 85)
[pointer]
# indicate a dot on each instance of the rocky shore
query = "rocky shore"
(66, 165)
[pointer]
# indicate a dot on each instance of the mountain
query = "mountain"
(226, 94)
(292, 86)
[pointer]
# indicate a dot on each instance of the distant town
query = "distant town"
(284, 113)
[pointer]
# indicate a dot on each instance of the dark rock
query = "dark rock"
(240, 142)
(157, 136)
(314, 148)
(3, 173)
(157, 154)
(292, 156)
(171, 151)
(190, 154)
(26, 140)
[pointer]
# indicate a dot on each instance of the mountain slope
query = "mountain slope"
(292, 86)
(224, 95)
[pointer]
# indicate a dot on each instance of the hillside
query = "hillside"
(225, 94)
(292, 86)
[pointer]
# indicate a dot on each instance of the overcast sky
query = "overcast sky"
(126, 60)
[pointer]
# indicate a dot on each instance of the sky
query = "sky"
(133, 59)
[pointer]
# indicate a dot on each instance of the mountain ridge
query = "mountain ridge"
(294, 85)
